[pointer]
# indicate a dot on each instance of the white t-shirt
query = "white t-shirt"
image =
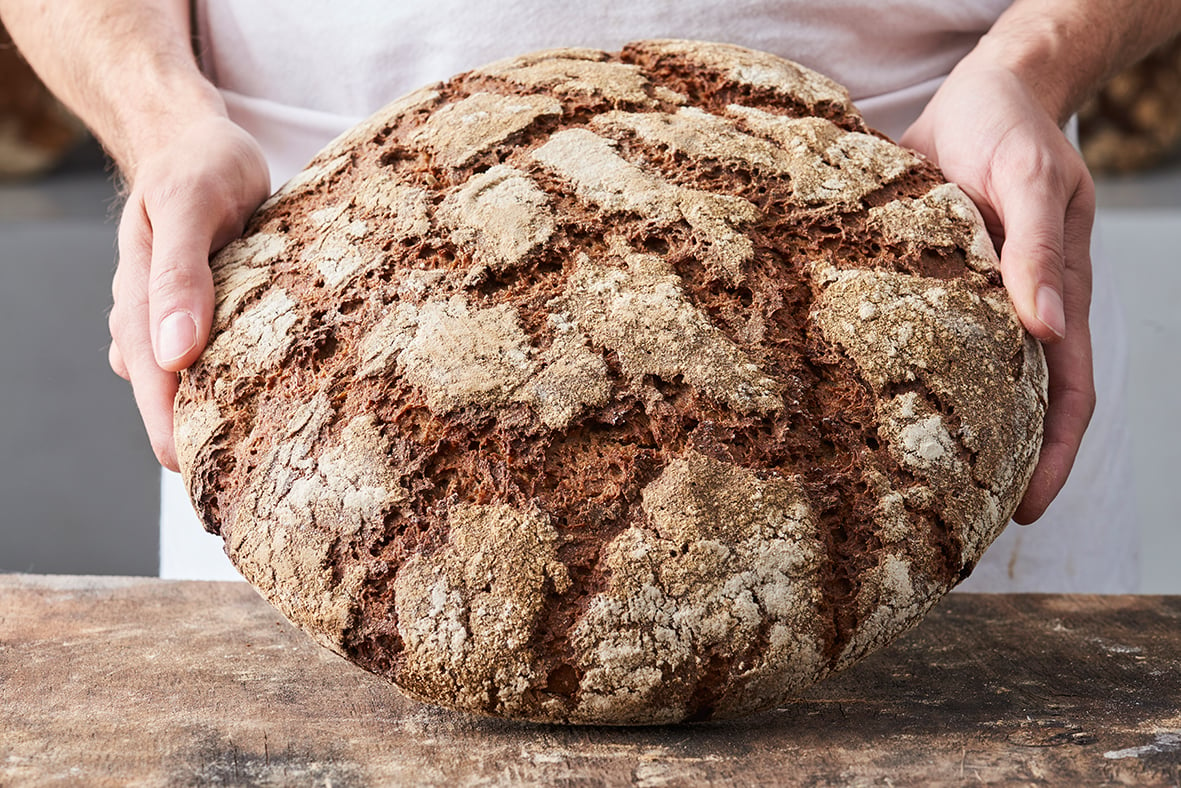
(296, 73)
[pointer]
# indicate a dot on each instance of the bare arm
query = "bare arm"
(995, 129)
(1064, 49)
(124, 67)
(127, 69)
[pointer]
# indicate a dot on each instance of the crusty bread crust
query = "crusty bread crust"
(612, 388)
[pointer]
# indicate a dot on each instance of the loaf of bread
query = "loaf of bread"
(611, 388)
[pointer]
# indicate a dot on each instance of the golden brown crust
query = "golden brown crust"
(612, 388)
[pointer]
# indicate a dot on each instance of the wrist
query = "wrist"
(1047, 56)
(152, 121)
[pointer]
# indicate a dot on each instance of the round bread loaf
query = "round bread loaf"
(611, 388)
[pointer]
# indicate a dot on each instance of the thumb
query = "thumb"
(1033, 258)
(180, 286)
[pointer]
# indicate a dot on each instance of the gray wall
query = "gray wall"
(78, 484)
(1139, 225)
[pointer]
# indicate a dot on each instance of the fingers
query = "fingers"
(1031, 206)
(180, 286)
(182, 208)
(1072, 401)
(1047, 206)
(1072, 385)
(132, 354)
(990, 133)
(155, 390)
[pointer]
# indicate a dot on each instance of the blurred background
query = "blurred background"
(79, 487)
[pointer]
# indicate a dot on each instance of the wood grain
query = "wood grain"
(115, 681)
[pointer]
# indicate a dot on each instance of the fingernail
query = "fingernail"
(1050, 311)
(176, 336)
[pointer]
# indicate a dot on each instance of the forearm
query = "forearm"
(1064, 49)
(124, 66)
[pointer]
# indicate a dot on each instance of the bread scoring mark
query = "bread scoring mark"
(460, 357)
(700, 136)
(721, 557)
(467, 612)
(334, 250)
(499, 217)
(240, 270)
(826, 163)
(581, 72)
(400, 210)
(201, 428)
(371, 130)
(354, 485)
(634, 304)
(942, 217)
(755, 69)
(921, 439)
(602, 177)
(282, 539)
(309, 178)
(258, 338)
(893, 598)
(458, 133)
(942, 335)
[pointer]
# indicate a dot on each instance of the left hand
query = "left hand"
(190, 196)
(990, 134)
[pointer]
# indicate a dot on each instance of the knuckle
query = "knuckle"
(171, 193)
(202, 191)
(171, 281)
(1083, 201)
(1043, 168)
(1042, 257)
(1048, 256)
(1034, 164)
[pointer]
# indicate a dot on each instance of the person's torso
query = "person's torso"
(344, 60)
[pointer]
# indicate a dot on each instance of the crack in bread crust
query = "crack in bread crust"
(611, 388)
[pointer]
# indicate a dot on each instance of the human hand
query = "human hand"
(190, 195)
(988, 131)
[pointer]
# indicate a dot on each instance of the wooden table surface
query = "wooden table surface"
(114, 681)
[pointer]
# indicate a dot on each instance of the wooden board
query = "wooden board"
(117, 681)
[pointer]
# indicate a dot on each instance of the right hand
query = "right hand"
(988, 131)
(189, 197)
